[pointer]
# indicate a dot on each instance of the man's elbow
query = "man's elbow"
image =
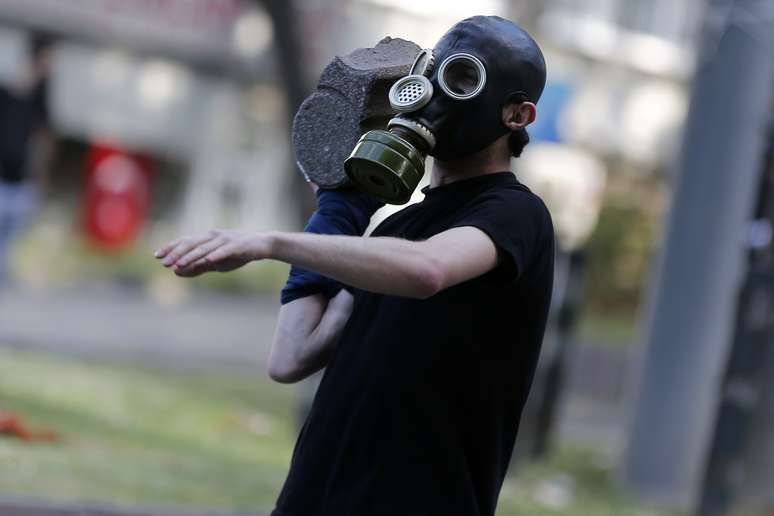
(428, 281)
(284, 372)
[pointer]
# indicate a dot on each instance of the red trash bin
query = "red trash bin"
(117, 196)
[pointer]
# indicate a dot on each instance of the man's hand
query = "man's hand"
(221, 250)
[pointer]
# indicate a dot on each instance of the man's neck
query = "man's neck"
(491, 160)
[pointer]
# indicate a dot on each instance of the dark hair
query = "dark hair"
(517, 141)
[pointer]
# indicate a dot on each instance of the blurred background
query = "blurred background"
(124, 123)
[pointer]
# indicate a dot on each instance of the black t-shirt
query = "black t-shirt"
(20, 117)
(418, 409)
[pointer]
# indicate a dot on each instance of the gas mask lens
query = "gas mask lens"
(462, 76)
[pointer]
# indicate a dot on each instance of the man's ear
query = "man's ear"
(518, 116)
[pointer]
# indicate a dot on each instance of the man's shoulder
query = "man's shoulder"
(396, 219)
(513, 197)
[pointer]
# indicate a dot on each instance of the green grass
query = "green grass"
(149, 437)
(153, 437)
(573, 482)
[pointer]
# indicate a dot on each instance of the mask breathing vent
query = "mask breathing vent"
(410, 93)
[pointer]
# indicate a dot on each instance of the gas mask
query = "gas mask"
(450, 104)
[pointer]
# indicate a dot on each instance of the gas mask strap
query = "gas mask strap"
(424, 63)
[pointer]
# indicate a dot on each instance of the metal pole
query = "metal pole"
(693, 304)
(735, 450)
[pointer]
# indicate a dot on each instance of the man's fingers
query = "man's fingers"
(200, 251)
(163, 251)
(196, 268)
(184, 246)
(221, 253)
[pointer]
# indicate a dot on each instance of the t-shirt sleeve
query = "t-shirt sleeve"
(517, 222)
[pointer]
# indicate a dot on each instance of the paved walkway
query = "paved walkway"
(29, 507)
(205, 329)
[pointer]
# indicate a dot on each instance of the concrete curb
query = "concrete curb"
(32, 507)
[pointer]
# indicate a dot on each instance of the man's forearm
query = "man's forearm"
(306, 334)
(378, 264)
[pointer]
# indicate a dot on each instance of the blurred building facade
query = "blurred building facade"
(197, 83)
(191, 83)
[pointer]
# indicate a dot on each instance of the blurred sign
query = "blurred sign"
(118, 187)
(626, 115)
(555, 98)
(198, 30)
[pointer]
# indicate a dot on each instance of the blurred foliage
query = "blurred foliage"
(138, 435)
(620, 254)
(608, 330)
(54, 252)
(619, 257)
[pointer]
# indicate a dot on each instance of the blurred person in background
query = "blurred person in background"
(25, 145)
(430, 328)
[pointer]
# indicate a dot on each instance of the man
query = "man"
(431, 347)
(23, 136)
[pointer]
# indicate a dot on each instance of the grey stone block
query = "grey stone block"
(350, 99)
